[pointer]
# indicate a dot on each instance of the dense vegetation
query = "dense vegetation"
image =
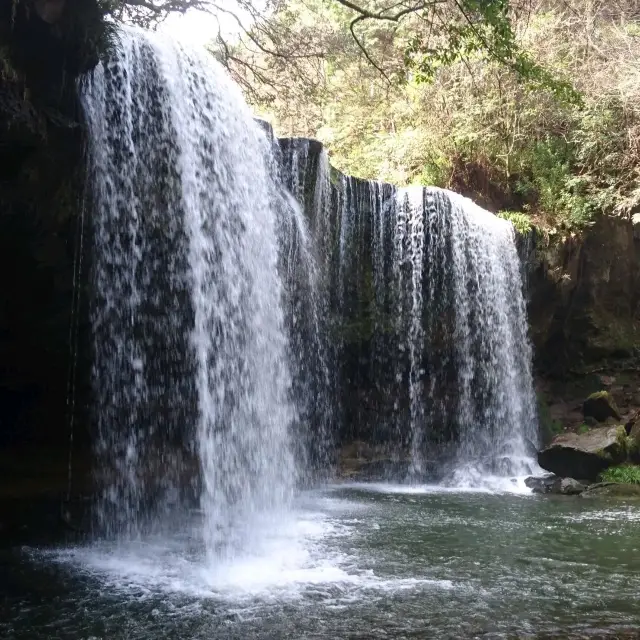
(529, 106)
(533, 110)
(625, 473)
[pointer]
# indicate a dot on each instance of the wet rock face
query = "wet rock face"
(49, 10)
(41, 188)
(576, 455)
(584, 297)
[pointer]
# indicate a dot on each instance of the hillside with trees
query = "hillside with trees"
(531, 107)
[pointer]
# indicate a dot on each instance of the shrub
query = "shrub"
(520, 221)
(623, 473)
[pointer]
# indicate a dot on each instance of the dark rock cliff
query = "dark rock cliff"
(44, 46)
(584, 313)
(584, 299)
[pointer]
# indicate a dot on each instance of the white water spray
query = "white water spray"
(191, 355)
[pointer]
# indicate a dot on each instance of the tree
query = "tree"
(442, 31)
(471, 121)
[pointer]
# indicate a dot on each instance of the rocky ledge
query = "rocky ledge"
(553, 485)
(598, 461)
(604, 439)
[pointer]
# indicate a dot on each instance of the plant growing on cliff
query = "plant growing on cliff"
(520, 221)
(624, 473)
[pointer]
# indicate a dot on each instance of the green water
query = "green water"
(375, 562)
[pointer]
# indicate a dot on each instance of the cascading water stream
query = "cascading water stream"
(431, 317)
(191, 376)
(461, 311)
(304, 244)
(496, 409)
(216, 301)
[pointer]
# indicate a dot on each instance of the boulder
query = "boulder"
(600, 406)
(574, 455)
(541, 484)
(550, 483)
(568, 487)
(632, 420)
(612, 490)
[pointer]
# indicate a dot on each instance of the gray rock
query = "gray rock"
(541, 484)
(568, 487)
(632, 421)
(574, 455)
(550, 483)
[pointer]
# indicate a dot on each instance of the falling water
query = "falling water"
(411, 202)
(218, 298)
(461, 310)
(191, 376)
(432, 334)
(496, 408)
(304, 248)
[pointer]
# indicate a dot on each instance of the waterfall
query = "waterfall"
(192, 381)
(304, 248)
(462, 336)
(240, 327)
(431, 339)
(463, 319)
(496, 407)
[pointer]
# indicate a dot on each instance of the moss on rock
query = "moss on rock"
(612, 490)
(585, 455)
(600, 406)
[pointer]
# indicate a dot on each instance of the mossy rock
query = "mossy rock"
(612, 490)
(585, 455)
(600, 406)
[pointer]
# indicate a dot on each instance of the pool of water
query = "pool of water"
(358, 561)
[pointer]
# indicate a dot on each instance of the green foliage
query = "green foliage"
(520, 221)
(484, 31)
(624, 473)
(536, 113)
(549, 179)
(583, 428)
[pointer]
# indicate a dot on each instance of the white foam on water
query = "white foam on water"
(301, 560)
(487, 484)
